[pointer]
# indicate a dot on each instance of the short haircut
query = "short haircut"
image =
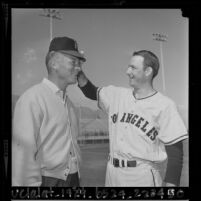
(150, 60)
(48, 60)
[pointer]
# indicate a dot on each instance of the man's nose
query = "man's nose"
(78, 68)
(128, 71)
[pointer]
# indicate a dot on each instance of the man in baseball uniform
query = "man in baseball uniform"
(144, 127)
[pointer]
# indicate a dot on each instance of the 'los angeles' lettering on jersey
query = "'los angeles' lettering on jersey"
(138, 122)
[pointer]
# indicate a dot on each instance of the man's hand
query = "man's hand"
(82, 79)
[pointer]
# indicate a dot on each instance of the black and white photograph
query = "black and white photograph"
(99, 97)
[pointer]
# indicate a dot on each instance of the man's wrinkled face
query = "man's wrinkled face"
(69, 67)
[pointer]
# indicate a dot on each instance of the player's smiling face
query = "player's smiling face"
(135, 71)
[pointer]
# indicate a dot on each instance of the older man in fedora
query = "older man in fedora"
(45, 125)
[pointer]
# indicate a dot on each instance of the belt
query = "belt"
(122, 163)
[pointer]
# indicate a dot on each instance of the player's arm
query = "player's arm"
(26, 170)
(172, 134)
(174, 165)
(89, 90)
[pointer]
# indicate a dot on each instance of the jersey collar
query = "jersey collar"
(145, 96)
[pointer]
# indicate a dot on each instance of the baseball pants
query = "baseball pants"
(142, 175)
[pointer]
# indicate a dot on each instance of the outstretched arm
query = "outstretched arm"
(89, 90)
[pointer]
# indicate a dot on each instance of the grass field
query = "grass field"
(93, 166)
(94, 162)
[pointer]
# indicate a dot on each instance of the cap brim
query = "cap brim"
(73, 53)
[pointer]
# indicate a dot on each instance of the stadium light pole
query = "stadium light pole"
(52, 14)
(161, 38)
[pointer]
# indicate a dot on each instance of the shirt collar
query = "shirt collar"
(54, 88)
(51, 85)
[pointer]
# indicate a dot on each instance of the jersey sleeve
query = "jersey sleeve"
(26, 170)
(106, 96)
(172, 128)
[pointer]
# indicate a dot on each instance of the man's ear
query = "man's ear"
(148, 71)
(55, 66)
(54, 61)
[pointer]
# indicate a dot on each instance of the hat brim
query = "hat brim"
(73, 53)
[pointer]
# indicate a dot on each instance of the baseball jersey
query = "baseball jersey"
(139, 128)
